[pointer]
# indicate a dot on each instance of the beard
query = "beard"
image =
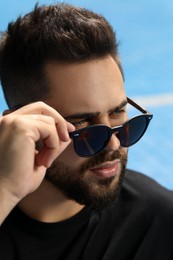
(80, 185)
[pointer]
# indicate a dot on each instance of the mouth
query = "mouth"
(107, 169)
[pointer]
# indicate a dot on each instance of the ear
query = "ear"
(6, 112)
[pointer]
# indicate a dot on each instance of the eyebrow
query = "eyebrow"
(94, 114)
(117, 108)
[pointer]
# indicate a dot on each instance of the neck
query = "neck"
(48, 204)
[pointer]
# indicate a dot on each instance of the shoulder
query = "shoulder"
(150, 193)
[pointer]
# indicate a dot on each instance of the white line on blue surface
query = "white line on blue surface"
(155, 100)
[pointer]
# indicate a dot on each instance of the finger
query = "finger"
(47, 155)
(70, 127)
(47, 119)
(43, 109)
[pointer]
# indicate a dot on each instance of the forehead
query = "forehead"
(92, 86)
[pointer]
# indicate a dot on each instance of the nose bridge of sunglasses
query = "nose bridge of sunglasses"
(113, 141)
(115, 130)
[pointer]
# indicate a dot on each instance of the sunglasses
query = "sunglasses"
(91, 140)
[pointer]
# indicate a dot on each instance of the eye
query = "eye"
(117, 113)
(80, 124)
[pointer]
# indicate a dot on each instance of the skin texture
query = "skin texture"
(94, 87)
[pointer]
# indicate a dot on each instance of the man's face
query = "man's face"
(86, 94)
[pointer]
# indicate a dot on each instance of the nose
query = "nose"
(113, 144)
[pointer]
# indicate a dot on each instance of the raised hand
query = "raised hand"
(22, 166)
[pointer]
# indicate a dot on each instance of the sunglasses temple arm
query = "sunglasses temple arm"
(141, 109)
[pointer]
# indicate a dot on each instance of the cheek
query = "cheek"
(70, 158)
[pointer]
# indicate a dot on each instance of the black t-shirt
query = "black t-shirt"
(138, 226)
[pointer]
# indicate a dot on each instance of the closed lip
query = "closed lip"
(106, 165)
(106, 169)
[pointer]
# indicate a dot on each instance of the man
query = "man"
(65, 192)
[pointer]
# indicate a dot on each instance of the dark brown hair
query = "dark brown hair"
(61, 33)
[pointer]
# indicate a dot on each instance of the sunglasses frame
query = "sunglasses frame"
(75, 134)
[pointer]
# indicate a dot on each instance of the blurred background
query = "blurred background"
(145, 32)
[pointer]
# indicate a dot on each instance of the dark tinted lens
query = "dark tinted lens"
(91, 140)
(133, 130)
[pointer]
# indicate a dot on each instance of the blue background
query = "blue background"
(145, 32)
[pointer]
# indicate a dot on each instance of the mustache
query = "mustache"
(104, 157)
